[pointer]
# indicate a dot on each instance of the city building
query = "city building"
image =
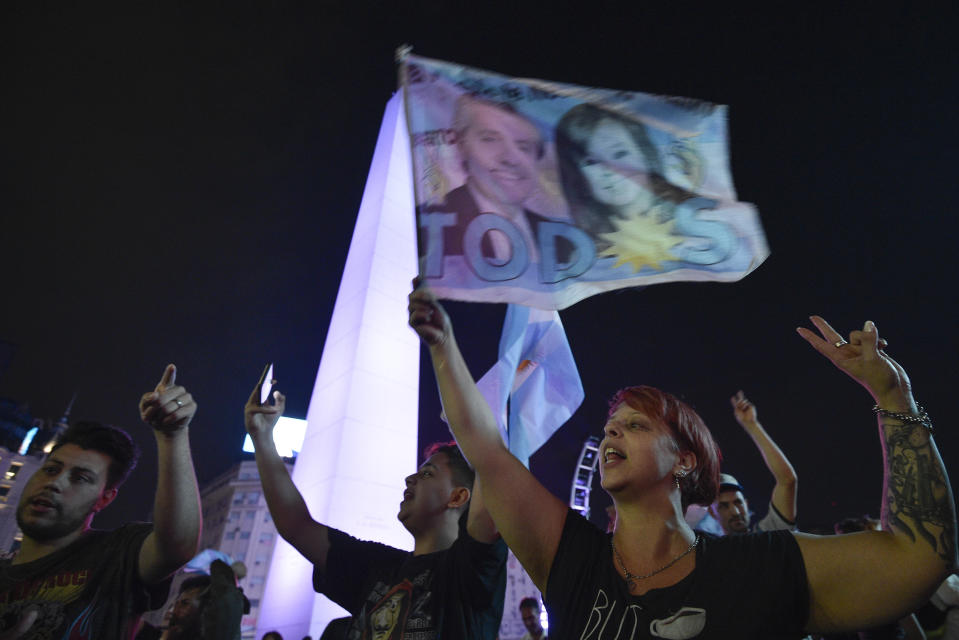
(24, 443)
(15, 469)
(236, 522)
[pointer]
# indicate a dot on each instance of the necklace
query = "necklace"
(631, 579)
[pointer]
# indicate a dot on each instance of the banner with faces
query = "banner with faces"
(542, 194)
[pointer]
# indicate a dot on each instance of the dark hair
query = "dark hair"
(111, 441)
(573, 133)
(195, 582)
(272, 634)
(529, 602)
(700, 485)
(463, 474)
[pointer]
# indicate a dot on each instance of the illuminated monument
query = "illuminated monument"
(361, 438)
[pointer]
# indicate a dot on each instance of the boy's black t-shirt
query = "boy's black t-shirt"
(447, 595)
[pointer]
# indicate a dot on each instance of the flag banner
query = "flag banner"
(536, 375)
(542, 194)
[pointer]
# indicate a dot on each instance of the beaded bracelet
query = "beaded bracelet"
(908, 418)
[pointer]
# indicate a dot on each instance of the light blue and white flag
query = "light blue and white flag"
(535, 376)
(541, 193)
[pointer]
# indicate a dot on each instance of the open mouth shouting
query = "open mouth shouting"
(612, 456)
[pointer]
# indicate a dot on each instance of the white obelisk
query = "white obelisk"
(361, 438)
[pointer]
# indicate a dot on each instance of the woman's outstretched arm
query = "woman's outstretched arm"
(527, 515)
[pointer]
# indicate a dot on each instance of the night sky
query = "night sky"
(181, 184)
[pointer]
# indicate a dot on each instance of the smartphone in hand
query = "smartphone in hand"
(266, 384)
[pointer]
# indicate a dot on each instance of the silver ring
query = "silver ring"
(178, 403)
(838, 343)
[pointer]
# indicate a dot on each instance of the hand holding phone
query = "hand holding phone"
(266, 384)
(261, 413)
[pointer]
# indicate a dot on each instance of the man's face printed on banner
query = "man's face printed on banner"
(499, 151)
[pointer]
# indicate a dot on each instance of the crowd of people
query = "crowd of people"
(655, 573)
(652, 574)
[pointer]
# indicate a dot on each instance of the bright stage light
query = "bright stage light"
(288, 437)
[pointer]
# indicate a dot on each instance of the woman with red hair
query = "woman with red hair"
(654, 576)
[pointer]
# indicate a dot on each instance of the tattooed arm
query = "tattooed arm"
(861, 580)
(917, 499)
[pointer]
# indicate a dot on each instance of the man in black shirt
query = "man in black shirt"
(451, 586)
(71, 581)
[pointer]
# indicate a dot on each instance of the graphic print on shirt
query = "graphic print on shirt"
(688, 622)
(392, 612)
(615, 620)
(65, 586)
(388, 616)
(49, 596)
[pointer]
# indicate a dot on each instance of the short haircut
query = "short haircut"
(701, 485)
(463, 474)
(113, 442)
(529, 603)
(462, 117)
(196, 582)
(272, 635)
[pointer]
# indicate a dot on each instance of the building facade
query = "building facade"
(24, 444)
(15, 470)
(237, 522)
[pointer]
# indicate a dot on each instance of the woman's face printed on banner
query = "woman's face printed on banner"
(614, 166)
